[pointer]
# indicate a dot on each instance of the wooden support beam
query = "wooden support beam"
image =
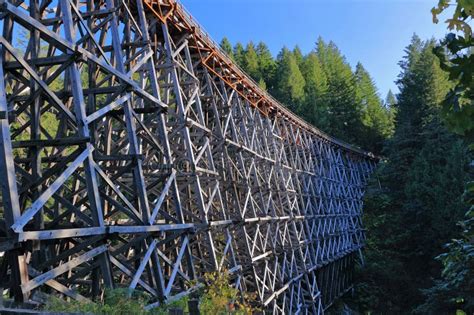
(65, 267)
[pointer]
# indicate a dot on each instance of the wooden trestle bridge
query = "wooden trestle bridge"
(136, 154)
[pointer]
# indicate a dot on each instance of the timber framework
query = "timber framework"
(136, 154)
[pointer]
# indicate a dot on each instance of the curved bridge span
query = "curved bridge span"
(136, 154)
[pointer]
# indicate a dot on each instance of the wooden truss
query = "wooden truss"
(135, 154)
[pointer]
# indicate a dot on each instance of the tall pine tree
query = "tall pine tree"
(289, 82)
(250, 62)
(266, 64)
(344, 110)
(239, 53)
(375, 117)
(315, 108)
(390, 100)
(453, 292)
(298, 55)
(226, 46)
(412, 211)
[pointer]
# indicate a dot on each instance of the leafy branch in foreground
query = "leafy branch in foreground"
(456, 57)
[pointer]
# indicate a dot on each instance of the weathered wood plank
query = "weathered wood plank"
(65, 267)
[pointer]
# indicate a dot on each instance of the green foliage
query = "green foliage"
(227, 47)
(453, 291)
(390, 100)
(116, 302)
(456, 58)
(459, 21)
(266, 64)
(250, 62)
(262, 84)
(315, 108)
(376, 118)
(321, 88)
(257, 61)
(298, 56)
(217, 297)
(220, 297)
(390, 105)
(289, 82)
(414, 201)
(239, 53)
(344, 114)
(181, 304)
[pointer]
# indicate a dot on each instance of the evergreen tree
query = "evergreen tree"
(250, 62)
(414, 212)
(227, 47)
(266, 64)
(390, 105)
(298, 56)
(453, 292)
(289, 82)
(376, 118)
(344, 110)
(315, 108)
(239, 53)
(390, 100)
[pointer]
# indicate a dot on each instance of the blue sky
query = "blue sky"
(374, 32)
